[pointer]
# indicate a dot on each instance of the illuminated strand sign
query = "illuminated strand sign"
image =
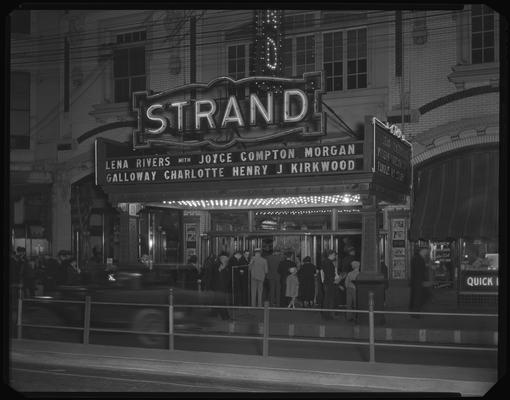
(292, 161)
(220, 121)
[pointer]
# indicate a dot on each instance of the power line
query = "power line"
(151, 51)
(121, 25)
(203, 33)
(437, 33)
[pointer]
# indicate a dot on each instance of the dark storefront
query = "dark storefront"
(30, 206)
(455, 211)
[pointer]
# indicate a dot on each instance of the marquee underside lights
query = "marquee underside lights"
(270, 202)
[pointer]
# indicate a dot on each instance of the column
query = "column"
(128, 235)
(370, 278)
(61, 229)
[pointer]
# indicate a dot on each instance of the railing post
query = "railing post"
(86, 319)
(265, 339)
(171, 320)
(19, 321)
(371, 333)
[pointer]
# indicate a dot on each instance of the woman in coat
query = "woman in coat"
(292, 287)
(222, 284)
(306, 277)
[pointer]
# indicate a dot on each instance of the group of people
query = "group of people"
(280, 279)
(43, 271)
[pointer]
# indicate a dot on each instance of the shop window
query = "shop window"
(357, 59)
(238, 57)
(345, 59)
(129, 69)
(305, 54)
(333, 60)
(293, 220)
(229, 221)
(482, 34)
(20, 110)
(20, 21)
(299, 21)
(298, 55)
(479, 255)
(287, 58)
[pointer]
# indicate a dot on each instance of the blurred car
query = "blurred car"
(146, 313)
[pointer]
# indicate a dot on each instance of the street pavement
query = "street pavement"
(40, 366)
(34, 377)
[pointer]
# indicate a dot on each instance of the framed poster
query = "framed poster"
(398, 252)
(399, 235)
(398, 268)
(190, 235)
(398, 248)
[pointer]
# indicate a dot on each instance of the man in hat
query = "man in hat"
(258, 272)
(418, 280)
(329, 272)
(239, 268)
(273, 261)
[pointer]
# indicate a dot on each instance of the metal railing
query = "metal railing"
(265, 336)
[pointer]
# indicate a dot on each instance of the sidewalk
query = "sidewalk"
(458, 330)
(436, 329)
(360, 375)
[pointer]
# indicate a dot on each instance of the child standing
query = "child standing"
(351, 289)
(292, 287)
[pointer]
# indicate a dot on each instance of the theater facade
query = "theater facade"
(262, 171)
(206, 157)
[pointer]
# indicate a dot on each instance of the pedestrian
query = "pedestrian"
(63, 258)
(292, 287)
(418, 279)
(283, 270)
(384, 270)
(21, 263)
(28, 273)
(348, 259)
(222, 284)
(246, 257)
(350, 289)
(319, 293)
(329, 273)
(193, 274)
(258, 272)
(239, 268)
(273, 261)
(306, 277)
(208, 272)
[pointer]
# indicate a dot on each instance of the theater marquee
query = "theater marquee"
(210, 166)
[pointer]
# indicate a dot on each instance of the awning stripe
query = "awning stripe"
(440, 206)
(455, 189)
(457, 197)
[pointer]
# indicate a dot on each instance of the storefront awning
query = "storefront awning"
(457, 197)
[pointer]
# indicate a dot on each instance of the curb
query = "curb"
(257, 373)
